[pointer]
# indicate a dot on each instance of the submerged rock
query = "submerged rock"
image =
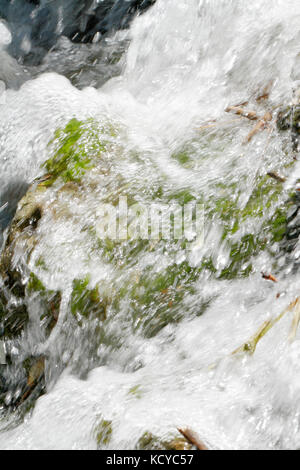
(103, 433)
(71, 287)
(11, 73)
(37, 26)
(289, 119)
(18, 287)
(9, 198)
(151, 442)
(27, 305)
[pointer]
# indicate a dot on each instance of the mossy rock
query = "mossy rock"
(17, 289)
(13, 309)
(269, 230)
(155, 299)
(18, 282)
(149, 441)
(288, 118)
(292, 226)
(103, 433)
(75, 151)
(149, 297)
(49, 302)
(284, 118)
(25, 377)
(87, 302)
(72, 141)
(136, 392)
(24, 383)
(13, 318)
(22, 232)
(78, 148)
(207, 142)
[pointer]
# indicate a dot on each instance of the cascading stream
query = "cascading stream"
(174, 316)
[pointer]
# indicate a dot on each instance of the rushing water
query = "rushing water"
(184, 63)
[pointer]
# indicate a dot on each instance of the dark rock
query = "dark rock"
(36, 26)
(9, 198)
(289, 119)
(289, 242)
(11, 73)
(22, 379)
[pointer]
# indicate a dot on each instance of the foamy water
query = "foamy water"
(187, 61)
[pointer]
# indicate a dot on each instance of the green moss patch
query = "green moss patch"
(149, 441)
(86, 302)
(103, 433)
(77, 148)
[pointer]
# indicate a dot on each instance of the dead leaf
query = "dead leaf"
(36, 372)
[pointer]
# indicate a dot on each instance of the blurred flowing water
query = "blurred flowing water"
(180, 64)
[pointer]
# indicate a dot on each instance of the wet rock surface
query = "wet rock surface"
(23, 376)
(36, 25)
(74, 39)
(54, 234)
(80, 172)
(9, 198)
(289, 119)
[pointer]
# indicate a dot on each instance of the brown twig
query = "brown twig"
(295, 323)
(216, 124)
(265, 93)
(269, 277)
(276, 177)
(192, 437)
(240, 105)
(252, 115)
(260, 126)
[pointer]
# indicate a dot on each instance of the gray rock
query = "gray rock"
(11, 73)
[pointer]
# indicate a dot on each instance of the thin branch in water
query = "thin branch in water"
(260, 126)
(192, 437)
(295, 323)
(265, 93)
(240, 105)
(276, 177)
(252, 115)
(217, 124)
(250, 346)
(269, 277)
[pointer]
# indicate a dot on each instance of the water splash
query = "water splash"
(185, 64)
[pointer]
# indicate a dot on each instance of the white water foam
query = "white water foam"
(187, 62)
